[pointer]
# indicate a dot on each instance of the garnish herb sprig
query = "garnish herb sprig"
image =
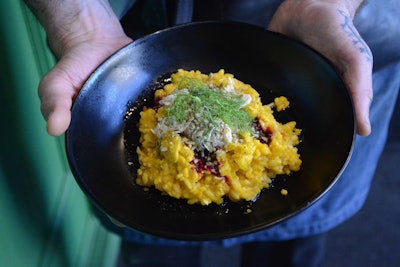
(209, 105)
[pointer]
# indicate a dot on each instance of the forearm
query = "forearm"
(68, 22)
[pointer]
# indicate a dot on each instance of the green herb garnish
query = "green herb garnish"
(209, 105)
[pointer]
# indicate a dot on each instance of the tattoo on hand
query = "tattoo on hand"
(357, 40)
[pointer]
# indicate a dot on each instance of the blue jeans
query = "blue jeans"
(298, 252)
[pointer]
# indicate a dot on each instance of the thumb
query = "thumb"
(355, 65)
(59, 88)
(56, 92)
(359, 82)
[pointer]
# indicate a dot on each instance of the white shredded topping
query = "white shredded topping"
(195, 130)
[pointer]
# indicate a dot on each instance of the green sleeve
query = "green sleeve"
(46, 220)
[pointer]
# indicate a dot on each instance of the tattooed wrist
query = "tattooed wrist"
(357, 40)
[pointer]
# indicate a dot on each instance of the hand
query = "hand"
(60, 86)
(81, 34)
(327, 27)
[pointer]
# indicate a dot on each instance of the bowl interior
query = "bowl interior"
(98, 146)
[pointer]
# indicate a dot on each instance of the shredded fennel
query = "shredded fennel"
(204, 113)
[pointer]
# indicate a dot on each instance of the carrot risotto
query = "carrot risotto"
(210, 137)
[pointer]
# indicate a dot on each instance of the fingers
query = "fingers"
(329, 29)
(363, 122)
(56, 93)
(362, 116)
(58, 89)
(358, 78)
(355, 62)
(57, 115)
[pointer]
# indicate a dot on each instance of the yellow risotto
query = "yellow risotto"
(209, 137)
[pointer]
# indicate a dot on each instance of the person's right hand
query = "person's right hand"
(58, 89)
(81, 34)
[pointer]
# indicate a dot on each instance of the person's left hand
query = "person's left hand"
(327, 27)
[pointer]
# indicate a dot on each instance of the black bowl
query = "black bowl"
(99, 148)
